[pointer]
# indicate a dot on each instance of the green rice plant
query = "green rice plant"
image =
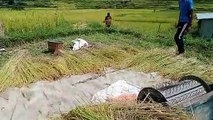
(95, 25)
(43, 23)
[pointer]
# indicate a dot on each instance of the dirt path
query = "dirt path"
(43, 99)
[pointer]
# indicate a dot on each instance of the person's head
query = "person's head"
(108, 14)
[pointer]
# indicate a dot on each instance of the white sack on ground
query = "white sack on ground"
(116, 89)
(79, 43)
(2, 50)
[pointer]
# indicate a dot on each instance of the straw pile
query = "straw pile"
(128, 111)
(24, 69)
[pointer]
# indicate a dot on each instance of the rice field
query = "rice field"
(36, 23)
(149, 49)
(141, 40)
(32, 20)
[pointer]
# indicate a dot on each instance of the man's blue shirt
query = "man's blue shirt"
(185, 7)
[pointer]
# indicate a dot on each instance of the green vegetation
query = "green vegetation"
(103, 4)
(141, 39)
(37, 24)
(40, 23)
(146, 36)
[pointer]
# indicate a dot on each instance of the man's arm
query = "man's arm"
(190, 14)
(190, 17)
(176, 24)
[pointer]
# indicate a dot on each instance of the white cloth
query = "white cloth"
(79, 43)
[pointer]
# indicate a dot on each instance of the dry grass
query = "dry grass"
(169, 65)
(23, 68)
(127, 111)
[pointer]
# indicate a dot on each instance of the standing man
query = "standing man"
(184, 23)
(108, 20)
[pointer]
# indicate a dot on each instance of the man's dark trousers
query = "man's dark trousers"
(181, 29)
